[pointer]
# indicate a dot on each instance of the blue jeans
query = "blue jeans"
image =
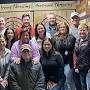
(77, 81)
(83, 79)
(88, 80)
(69, 77)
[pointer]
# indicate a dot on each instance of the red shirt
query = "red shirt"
(18, 30)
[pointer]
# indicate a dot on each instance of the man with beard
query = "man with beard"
(25, 24)
(26, 75)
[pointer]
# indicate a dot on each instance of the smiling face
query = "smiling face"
(40, 30)
(26, 21)
(2, 23)
(25, 37)
(47, 46)
(26, 55)
(83, 31)
(75, 20)
(63, 28)
(2, 43)
(51, 19)
(10, 34)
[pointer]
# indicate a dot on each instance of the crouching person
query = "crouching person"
(26, 75)
(53, 66)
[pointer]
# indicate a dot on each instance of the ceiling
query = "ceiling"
(23, 1)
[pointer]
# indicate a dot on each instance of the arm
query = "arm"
(71, 43)
(35, 50)
(77, 47)
(61, 75)
(15, 51)
(17, 32)
(40, 80)
(13, 84)
(7, 70)
(4, 81)
(75, 54)
(74, 60)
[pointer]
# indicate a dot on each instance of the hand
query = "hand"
(51, 84)
(89, 70)
(66, 52)
(36, 60)
(76, 70)
(4, 83)
(17, 60)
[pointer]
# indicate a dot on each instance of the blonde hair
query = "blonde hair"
(65, 24)
(83, 25)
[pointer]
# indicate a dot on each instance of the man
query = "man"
(74, 24)
(2, 25)
(4, 63)
(25, 24)
(51, 24)
(74, 31)
(26, 75)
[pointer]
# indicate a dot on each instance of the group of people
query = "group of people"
(51, 56)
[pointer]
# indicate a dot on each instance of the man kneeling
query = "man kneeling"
(26, 75)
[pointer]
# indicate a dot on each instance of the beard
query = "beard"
(27, 60)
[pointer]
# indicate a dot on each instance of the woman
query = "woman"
(65, 43)
(40, 34)
(25, 38)
(10, 37)
(4, 63)
(82, 50)
(53, 67)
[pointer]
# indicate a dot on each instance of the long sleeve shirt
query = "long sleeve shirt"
(18, 30)
(26, 76)
(53, 68)
(15, 50)
(4, 64)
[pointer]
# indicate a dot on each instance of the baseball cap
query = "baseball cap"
(74, 14)
(25, 47)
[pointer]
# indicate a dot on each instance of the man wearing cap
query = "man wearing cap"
(25, 38)
(74, 31)
(26, 75)
(74, 24)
